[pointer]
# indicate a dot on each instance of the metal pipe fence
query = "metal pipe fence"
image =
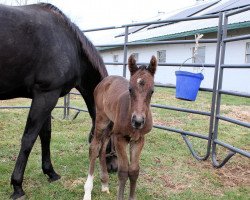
(211, 136)
(219, 92)
(210, 114)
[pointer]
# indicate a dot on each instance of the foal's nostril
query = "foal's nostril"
(137, 122)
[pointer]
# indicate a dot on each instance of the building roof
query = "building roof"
(189, 28)
(229, 5)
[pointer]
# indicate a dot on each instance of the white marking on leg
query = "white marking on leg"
(88, 187)
(105, 188)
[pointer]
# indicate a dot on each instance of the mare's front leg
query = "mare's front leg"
(88, 97)
(133, 173)
(45, 137)
(120, 146)
(41, 107)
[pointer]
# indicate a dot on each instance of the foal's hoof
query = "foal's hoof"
(18, 195)
(54, 177)
(105, 188)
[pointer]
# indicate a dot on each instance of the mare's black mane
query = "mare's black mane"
(86, 46)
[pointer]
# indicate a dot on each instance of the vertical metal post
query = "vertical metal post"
(64, 107)
(215, 84)
(218, 102)
(125, 53)
(68, 104)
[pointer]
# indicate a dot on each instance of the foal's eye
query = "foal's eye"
(152, 92)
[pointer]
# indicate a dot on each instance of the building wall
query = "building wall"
(234, 79)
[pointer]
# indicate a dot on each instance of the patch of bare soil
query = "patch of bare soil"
(73, 182)
(174, 187)
(172, 123)
(241, 113)
(162, 179)
(231, 176)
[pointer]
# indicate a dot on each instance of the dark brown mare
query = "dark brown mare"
(123, 111)
(43, 55)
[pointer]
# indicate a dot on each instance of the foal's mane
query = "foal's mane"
(87, 47)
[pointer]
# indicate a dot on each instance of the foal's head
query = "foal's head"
(141, 88)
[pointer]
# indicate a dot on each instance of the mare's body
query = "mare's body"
(43, 55)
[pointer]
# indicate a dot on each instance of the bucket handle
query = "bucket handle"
(191, 58)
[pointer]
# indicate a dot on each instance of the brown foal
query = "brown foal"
(123, 111)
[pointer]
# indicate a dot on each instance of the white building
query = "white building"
(237, 52)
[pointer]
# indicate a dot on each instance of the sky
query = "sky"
(88, 14)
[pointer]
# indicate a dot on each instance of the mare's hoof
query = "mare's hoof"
(18, 195)
(112, 165)
(54, 177)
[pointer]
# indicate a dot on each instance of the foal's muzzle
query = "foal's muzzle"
(137, 121)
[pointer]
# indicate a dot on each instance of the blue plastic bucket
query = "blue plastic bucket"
(187, 85)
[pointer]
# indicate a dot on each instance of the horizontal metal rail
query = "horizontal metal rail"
(173, 86)
(232, 148)
(237, 11)
(159, 43)
(237, 38)
(168, 64)
(174, 20)
(234, 93)
(14, 107)
(79, 109)
(181, 109)
(181, 132)
(75, 93)
(22, 107)
(153, 22)
(235, 66)
(102, 29)
(234, 121)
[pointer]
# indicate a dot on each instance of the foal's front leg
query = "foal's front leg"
(102, 158)
(120, 145)
(103, 166)
(94, 149)
(133, 173)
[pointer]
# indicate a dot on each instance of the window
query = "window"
(136, 55)
(161, 56)
(248, 52)
(115, 58)
(200, 56)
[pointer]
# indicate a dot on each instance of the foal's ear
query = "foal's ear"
(152, 65)
(132, 64)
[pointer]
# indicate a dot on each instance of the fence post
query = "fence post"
(125, 53)
(66, 106)
(218, 100)
(215, 84)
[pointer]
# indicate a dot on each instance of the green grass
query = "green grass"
(168, 171)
